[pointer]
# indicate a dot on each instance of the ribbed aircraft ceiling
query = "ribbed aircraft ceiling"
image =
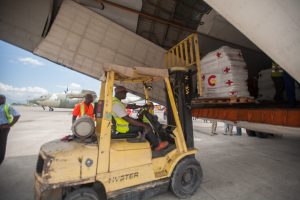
(167, 22)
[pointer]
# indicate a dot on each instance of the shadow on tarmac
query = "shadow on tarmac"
(17, 178)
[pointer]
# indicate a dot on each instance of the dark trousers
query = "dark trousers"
(279, 88)
(289, 84)
(150, 136)
(3, 138)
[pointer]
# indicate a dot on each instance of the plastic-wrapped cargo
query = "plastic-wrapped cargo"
(266, 88)
(224, 74)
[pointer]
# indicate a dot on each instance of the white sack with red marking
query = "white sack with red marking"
(224, 73)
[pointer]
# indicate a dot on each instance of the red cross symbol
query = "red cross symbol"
(229, 82)
(219, 54)
(226, 70)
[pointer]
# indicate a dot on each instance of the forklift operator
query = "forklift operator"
(126, 124)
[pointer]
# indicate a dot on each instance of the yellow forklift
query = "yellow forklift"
(98, 164)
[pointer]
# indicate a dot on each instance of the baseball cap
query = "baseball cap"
(119, 89)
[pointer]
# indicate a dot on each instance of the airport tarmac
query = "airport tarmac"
(234, 167)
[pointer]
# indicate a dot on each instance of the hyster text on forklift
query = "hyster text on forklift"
(120, 166)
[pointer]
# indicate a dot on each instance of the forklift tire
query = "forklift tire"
(250, 133)
(186, 178)
(83, 193)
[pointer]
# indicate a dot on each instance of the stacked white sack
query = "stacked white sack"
(224, 74)
(266, 88)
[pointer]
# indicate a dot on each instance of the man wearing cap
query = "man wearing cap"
(126, 124)
(84, 108)
(8, 117)
(277, 77)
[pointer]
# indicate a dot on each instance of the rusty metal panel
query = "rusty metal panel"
(278, 116)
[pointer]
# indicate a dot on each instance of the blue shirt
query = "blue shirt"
(11, 110)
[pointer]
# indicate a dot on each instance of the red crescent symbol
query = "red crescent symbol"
(212, 80)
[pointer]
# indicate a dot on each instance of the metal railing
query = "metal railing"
(186, 54)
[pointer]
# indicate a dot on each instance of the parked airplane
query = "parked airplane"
(61, 100)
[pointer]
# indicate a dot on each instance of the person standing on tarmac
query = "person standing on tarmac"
(8, 117)
(126, 124)
(214, 125)
(84, 108)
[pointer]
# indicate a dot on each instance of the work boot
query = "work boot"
(162, 145)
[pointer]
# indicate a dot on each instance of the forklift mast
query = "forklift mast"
(182, 60)
(181, 82)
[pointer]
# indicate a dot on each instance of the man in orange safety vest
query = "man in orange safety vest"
(84, 108)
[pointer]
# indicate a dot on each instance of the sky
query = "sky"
(24, 75)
